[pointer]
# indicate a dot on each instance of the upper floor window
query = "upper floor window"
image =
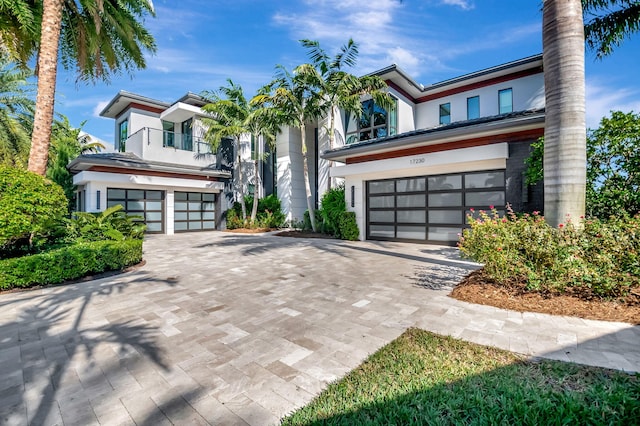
(168, 133)
(473, 107)
(445, 113)
(505, 101)
(375, 122)
(123, 134)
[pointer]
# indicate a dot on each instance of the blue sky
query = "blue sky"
(202, 43)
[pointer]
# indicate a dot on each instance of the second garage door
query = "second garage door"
(430, 209)
(194, 211)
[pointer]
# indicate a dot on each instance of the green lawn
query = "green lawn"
(423, 378)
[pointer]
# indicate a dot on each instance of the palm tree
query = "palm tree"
(229, 112)
(342, 90)
(610, 21)
(565, 126)
(295, 101)
(263, 127)
(96, 37)
(16, 109)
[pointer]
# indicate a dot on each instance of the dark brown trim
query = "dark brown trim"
(400, 90)
(447, 146)
(480, 84)
(107, 169)
(465, 88)
(140, 106)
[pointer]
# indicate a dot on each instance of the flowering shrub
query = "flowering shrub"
(599, 258)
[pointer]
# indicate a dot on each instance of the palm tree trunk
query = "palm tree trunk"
(241, 183)
(332, 142)
(565, 127)
(254, 208)
(307, 184)
(47, 72)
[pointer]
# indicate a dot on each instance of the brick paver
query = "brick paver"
(220, 328)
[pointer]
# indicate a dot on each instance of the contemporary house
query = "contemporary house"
(411, 173)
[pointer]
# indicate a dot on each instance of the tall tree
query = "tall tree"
(67, 142)
(295, 100)
(97, 38)
(609, 22)
(16, 109)
(565, 125)
(229, 112)
(340, 89)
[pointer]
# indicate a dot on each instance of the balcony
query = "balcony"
(169, 147)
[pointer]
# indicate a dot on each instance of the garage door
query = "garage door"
(432, 208)
(194, 211)
(146, 203)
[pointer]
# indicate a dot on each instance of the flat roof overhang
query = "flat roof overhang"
(179, 112)
(132, 164)
(481, 128)
(123, 99)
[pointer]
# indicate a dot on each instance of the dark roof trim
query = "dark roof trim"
(134, 98)
(132, 162)
(449, 130)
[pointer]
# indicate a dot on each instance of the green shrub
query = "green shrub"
(349, 227)
(269, 214)
(333, 205)
(599, 258)
(32, 211)
(111, 224)
(68, 263)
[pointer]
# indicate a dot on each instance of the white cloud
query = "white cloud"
(601, 99)
(99, 107)
(462, 4)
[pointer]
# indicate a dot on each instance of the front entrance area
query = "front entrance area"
(194, 211)
(430, 209)
(146, 203)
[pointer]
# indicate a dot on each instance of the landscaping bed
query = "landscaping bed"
(478, 288)
(423, 378)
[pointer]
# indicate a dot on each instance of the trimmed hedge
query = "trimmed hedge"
(68, 263)
(348, 226)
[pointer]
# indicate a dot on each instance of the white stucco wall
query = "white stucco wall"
(406, 108)
(528, 93)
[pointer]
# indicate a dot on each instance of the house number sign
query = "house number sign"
(415, 161)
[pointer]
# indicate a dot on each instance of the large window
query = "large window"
(505, 101)
(375, 122)
(123, 134)
(445, 113)
(168, 133)
(473, 107)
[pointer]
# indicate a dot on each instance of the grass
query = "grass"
(423, 378)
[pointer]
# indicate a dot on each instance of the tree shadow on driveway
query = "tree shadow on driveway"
(48, 329)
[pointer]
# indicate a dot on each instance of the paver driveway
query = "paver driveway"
(222, 328)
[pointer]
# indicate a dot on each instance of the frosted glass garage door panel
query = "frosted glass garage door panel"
(382, 216)
(444, 233)
(493, 198)
(116, 193)
(446, 199)
(382, 231)
(381, 187)
(443, 183)
(418, 200)
(484, 180)
(381, 202)
(155, 216)
(445, 216)
(411, 216)
(154, 226)
(411, 185)
(412, 232)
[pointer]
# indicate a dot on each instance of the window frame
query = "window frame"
(477, 97)
(444, 119)
(500, 106)
(123, 134)
(391, 123)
